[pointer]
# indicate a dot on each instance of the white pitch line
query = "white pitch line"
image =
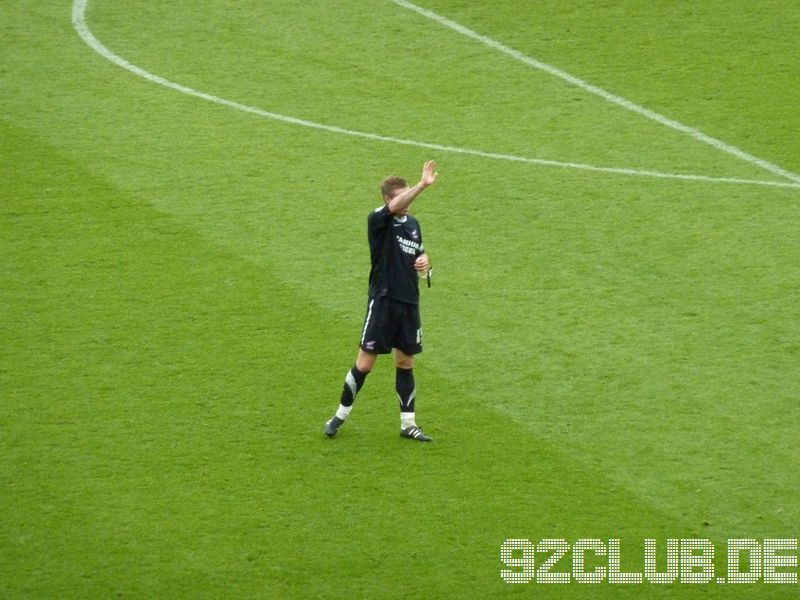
(79, 22)
(593, 89)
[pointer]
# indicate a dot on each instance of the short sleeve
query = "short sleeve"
(379, 218)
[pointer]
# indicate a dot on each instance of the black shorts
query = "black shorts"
(391, 324)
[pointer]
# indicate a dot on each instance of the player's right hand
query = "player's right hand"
(429, 173)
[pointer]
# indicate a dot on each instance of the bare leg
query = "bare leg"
(365, 361)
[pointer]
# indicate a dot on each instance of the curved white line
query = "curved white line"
(79, 23)
(597, 91)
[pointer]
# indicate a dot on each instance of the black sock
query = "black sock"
(353, 382)
(406, 390)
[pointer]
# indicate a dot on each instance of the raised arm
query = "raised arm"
(403, 199)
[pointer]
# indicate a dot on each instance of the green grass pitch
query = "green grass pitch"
(182, 287)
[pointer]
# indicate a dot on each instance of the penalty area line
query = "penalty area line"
(81, 27)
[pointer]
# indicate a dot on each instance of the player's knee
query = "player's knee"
(403, 361)
(365, 361)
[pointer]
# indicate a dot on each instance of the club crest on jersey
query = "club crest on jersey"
(414, 234)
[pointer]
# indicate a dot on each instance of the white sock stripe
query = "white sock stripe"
(407, 420)
(351, 383)
(411, 398)
(343, 411)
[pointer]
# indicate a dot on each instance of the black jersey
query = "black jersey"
(394, 245)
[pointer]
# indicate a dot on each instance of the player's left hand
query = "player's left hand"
(422, 264)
